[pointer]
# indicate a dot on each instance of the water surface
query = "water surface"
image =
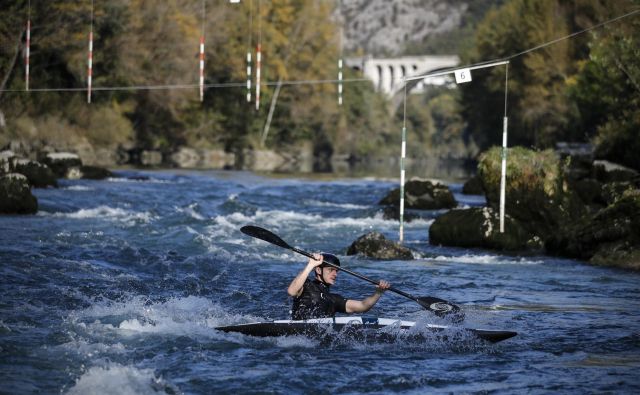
(115, 286)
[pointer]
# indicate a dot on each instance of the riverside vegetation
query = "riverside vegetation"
(583, 89)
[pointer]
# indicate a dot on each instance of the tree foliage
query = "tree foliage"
(141, 44)
(607, 91)
(544, 105)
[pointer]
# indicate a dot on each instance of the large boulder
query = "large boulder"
(610, 237)
(422, 195)
(38, 174)
(63, 164)
(480, 227)
(375, 245)
(536, 192)
(15, 195)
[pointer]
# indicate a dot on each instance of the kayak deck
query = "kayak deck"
(361, 328)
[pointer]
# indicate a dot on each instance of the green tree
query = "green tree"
(541, 111)
(607, 91)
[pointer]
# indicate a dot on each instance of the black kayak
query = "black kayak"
(363, 328)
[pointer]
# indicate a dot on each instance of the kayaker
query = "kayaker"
(313, 298)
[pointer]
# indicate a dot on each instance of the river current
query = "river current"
(116, 286)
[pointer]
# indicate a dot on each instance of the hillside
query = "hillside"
(382, 27)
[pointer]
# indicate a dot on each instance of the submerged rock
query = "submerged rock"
(15, 195)
(391, 213)
(94, 173)
(422, 195)
(375, 245)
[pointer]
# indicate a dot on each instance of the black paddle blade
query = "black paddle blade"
(441, 308)
(263, 234)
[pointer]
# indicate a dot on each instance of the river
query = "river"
(115, 286)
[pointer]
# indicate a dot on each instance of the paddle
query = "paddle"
(438, 306)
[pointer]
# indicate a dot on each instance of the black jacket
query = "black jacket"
(316, 301)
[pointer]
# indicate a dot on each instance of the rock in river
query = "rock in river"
(422, 195)
(375, 245)
(15, 195)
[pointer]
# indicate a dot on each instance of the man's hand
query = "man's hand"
(382, 286)
(315, 261)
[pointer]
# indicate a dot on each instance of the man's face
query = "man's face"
(329, 274)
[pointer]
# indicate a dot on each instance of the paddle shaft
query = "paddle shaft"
(360, 276)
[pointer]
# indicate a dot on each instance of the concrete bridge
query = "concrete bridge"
(387, 73)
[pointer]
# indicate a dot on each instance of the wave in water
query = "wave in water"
(117, 379)
(126, 217)
(488, 259)
(190, 316)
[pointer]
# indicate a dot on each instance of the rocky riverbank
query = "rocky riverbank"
(18, 175)
(559, 204)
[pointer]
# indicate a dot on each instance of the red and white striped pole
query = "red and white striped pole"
(249, 76)
(258, 65)
(90, 60)
(249, 51)
(90, 66)
(27, 53)
(202, 68)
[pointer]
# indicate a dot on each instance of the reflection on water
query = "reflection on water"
(438, 168)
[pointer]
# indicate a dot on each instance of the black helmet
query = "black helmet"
(329, 258)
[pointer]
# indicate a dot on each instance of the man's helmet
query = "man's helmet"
(329, 258)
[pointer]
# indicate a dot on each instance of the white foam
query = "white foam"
(347, 206)
(279, 218)
(147, 180)
(127, 217)
(118, 380)
(296, 342)
(488, 259)
(190, 316)
(191, 211)
(78, 188)
(92, 350)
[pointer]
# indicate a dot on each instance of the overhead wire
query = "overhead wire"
(333, 81)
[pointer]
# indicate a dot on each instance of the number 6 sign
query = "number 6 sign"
(462, 76)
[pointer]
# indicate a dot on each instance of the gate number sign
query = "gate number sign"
(462, 76)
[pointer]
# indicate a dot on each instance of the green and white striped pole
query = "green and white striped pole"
(462, 75)
(503, 173)
(402, 157)
(403, 154)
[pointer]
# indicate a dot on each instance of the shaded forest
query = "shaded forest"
(584, 90)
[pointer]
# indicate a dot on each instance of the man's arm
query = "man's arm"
(362, 306)
(295, 288)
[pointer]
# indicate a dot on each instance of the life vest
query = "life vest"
(316, 301)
